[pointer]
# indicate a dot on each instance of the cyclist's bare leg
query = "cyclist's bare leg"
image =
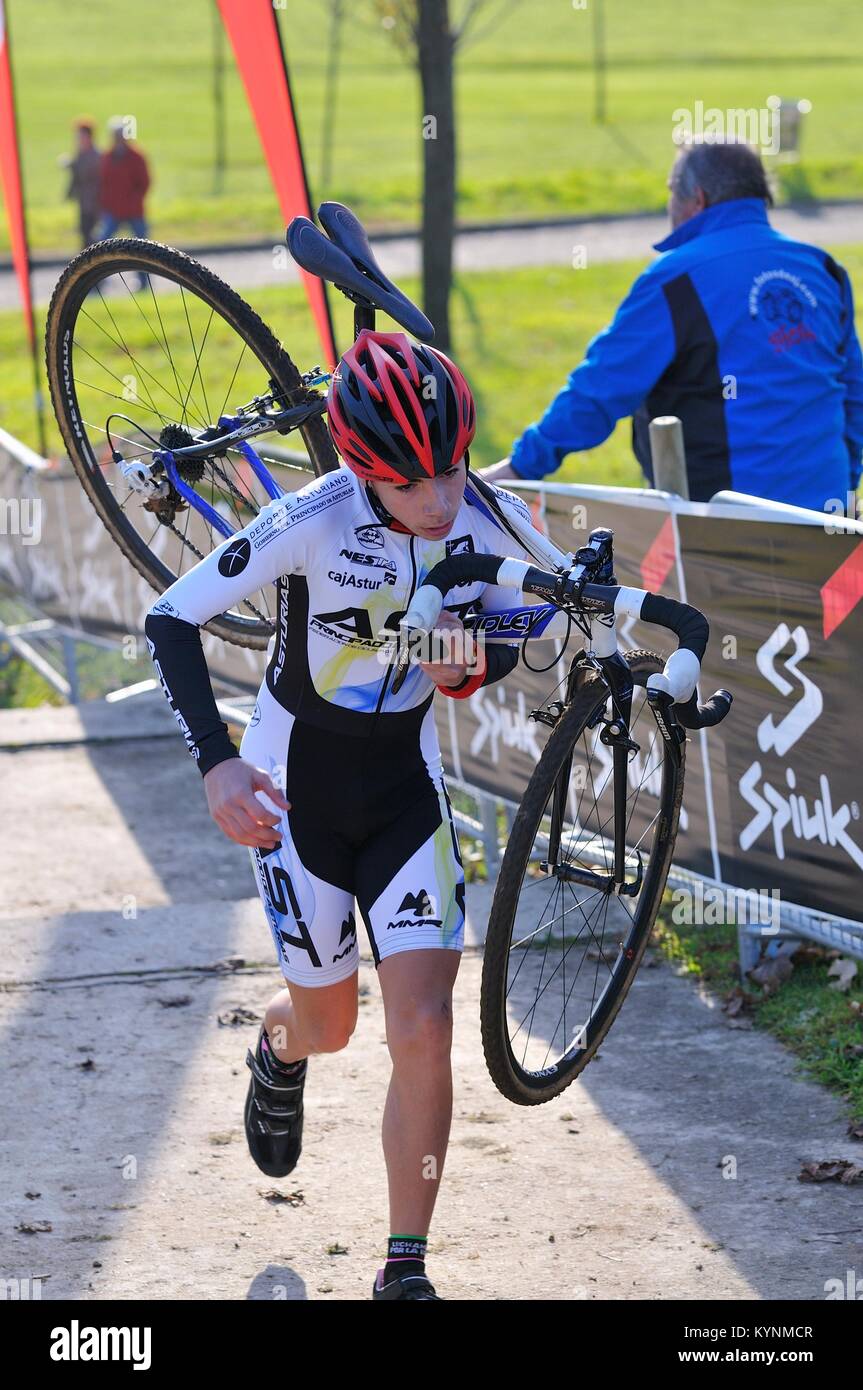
(417, 991)
(301, 1021)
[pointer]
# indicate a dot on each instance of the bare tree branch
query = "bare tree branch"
(407, 12)
(470, 10)
(493, 21)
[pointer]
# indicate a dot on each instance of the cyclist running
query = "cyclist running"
(337, 787)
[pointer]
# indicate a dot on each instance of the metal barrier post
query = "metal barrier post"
(70, 660)
(488, 816)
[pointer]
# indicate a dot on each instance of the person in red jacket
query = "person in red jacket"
(124, 178)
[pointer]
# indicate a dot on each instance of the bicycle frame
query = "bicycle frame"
(603, 656)
(238, 430)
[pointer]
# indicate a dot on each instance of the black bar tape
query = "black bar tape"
(464, 569)
(692, 715)
(689, 626)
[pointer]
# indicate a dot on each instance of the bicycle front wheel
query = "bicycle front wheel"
(143, 332)
(560, 955)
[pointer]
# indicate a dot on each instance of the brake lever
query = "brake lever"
(403, 660)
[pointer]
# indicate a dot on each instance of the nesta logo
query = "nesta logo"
(354, 557)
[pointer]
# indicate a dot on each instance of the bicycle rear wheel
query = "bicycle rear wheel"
(560, 957)
(142, 330)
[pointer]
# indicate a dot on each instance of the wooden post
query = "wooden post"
(667, 454)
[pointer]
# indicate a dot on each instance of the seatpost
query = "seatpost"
(364, 317)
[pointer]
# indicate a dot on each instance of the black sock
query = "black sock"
(405, 1255)
(288, 1068)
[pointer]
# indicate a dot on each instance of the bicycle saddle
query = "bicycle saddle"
(345, 258)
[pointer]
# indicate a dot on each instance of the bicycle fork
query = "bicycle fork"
(615, 736)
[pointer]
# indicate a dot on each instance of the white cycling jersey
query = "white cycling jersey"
(344, 578)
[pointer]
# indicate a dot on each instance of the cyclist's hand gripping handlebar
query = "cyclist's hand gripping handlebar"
(682, 670)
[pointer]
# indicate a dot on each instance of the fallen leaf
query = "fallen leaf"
(736, 1001)
(231, 1017)
(843, 970)
(33, 1228)
(808, 951)
(222, 967)
(831, 1170)
(771, 973)
(175, 1001)
(272, 1195)
(855, 1129)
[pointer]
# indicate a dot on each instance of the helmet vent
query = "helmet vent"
(451, 412)
(399, 390)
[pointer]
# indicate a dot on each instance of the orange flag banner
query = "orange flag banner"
(253, 29)
(10, 172)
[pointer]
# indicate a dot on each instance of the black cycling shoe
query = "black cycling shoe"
(274, 1114)
(414, 1286)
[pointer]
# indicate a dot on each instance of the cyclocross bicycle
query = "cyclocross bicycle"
(146, 351)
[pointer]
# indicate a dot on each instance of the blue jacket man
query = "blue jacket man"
(745, 334)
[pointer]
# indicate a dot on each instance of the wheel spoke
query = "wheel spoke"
(569, 944)
(157, 357)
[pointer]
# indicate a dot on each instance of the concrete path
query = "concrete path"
(130, 925)
(603, 239)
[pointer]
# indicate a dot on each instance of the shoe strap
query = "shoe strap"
(287, 1085)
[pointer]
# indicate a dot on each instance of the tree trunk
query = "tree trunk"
(436, 48)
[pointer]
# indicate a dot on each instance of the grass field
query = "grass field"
(529, 143)
(549, 314)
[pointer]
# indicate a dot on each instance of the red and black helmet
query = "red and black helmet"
(399, 411)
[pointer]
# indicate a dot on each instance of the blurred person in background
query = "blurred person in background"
(124, 180)
(745, 334)
(85, 179)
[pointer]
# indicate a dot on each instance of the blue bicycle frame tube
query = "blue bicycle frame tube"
(210, 515)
